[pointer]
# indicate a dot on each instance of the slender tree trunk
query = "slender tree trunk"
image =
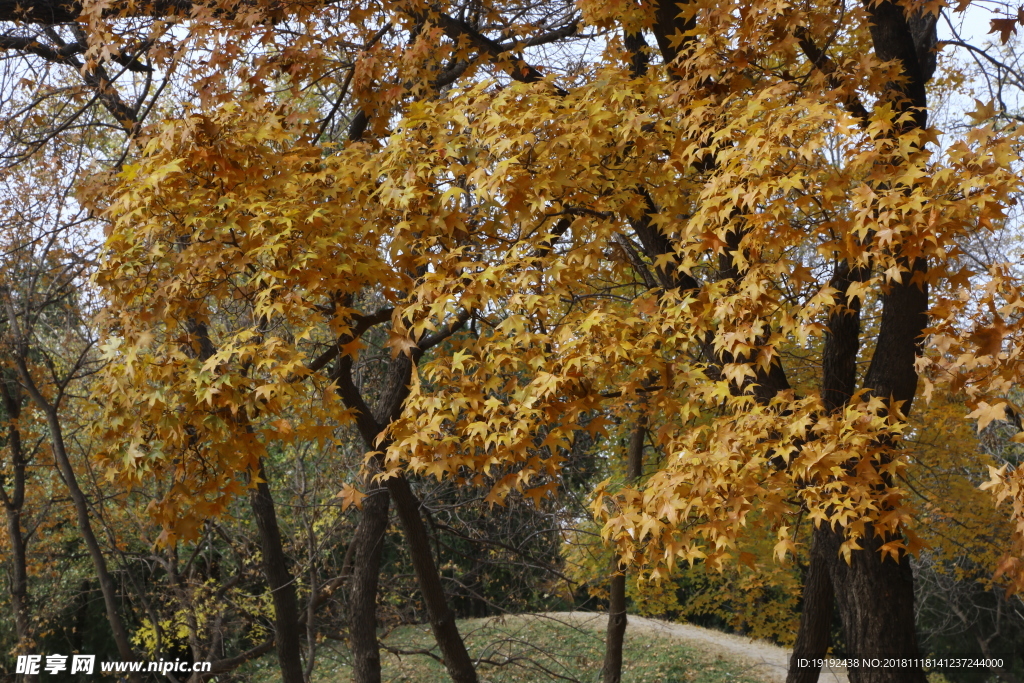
(19, 576)
(20, 603)
(275, 562)
(106, 581)
(368, 545)
(282, 585)
(617, 621)
(78, 499)
(813, 639)
(611, 672)
(371, 423)
(14, 503)
(442, 619)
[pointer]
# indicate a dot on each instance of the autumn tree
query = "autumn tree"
(144, 48)
(740, 226)
(716, 266)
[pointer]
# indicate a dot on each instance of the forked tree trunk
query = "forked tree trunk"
(373, 523)
(874, 596)
(81, 505)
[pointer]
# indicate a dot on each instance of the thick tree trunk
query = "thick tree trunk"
(812, 640)
(282, 585)
(875, 595)
(875, 598)
(442, 619)
(368, 543)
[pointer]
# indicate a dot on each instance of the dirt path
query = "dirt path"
(771, 661)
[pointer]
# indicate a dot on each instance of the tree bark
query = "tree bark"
(13, 506)
(839, 380)
(275, 562)
(371, 423)
(106, 581)
(67, 472)
(280, 581)
(63, 11)
(875, 598)
(813, 639)
(611, 671)
(368, 544)
(442, 620)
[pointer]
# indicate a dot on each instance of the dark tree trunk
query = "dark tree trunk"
(275, 562)
(371, 423)
(812, 640)
(442, 619)
(611, 672)
(635, 452)
(14, 503)
(875, 598)
(617, 621)
(839, 379)
(368, 543)
(19, 576)
(282, 585)
(842, 341)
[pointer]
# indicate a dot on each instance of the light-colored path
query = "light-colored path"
(770, 661)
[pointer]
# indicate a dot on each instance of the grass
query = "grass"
(527, 649)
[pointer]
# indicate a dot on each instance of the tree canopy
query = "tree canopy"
(477, 234)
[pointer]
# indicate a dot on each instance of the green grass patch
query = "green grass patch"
(527, 649)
